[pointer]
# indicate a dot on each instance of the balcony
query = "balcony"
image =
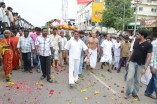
(146, 13)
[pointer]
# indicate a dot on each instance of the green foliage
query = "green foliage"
(114, 13)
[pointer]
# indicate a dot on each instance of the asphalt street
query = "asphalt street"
(100, 87)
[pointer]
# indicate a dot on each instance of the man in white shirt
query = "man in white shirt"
(11, 19)
(63, 41)
(116, 54)
(1, 18)
(5, 20)
(56, 42)
(107, 52)
(44, 47)
(74, 46)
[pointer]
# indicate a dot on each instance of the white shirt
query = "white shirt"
(5, 17)
(44, 45)
(63, 41)
(55, 40)
(107, 47)
(75, 48)
(117, 49)
(11, 17)
(1, 14)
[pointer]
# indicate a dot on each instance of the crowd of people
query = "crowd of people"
(11, 20)
(44, 51)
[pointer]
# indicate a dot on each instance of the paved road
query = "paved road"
(98, 88)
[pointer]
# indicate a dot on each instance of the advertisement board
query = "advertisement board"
(149, 23)
(97, 11)
(83, 1)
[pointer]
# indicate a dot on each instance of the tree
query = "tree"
(117, 13)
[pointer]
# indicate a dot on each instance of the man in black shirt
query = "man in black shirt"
(138, 63)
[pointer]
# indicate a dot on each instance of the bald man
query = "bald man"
(92, 43)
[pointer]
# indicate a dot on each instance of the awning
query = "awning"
(133, 24)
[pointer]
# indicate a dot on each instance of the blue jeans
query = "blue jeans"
(152, 86)
(133, 78)
(81, 65)
(36, 61)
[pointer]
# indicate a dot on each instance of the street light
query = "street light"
(136, 3)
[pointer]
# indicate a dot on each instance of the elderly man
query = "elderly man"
(92, 43)
(107, 48)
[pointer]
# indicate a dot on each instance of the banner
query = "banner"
(83, 1)
(97, 11)
(149, 23)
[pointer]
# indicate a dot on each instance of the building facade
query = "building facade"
(146, 9)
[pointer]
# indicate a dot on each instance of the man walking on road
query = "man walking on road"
(56, 42)
(125, 51)
(44, 48)
(107, 48)
(74, 46)
(63, 41)
(25, 46)
(152, 86)
(138, 62)
(92, 43)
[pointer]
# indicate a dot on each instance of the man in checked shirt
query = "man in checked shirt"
(44, 48)
(25, 46)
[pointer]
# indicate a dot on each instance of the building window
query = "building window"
(154, 10)
(140, 8)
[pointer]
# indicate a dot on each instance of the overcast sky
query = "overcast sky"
(38, 12)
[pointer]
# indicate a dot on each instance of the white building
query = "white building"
(84, 17)
(146, 9)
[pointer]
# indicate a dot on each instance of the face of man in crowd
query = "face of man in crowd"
(55, 31)
(81, 36)
(3, 6)
(94, 35)
(138, 36)
(61, 34)
(45, 32)
(38, 32)
(12, 34)
(20, 32)
(108, 37)
(67, 32)
(26, 34)
(76, 35)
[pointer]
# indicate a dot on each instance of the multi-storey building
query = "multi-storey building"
(146, 9)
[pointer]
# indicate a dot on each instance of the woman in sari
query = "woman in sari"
(7, 54)
(16, 54)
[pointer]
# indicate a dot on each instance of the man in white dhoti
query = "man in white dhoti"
(116, 54)
(107, 52)
(92, 43)
(74, 46)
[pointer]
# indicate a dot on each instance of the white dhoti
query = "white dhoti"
(73, 70)
(93, 57)
(116, 61)
(106, 58)
(55, 54)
